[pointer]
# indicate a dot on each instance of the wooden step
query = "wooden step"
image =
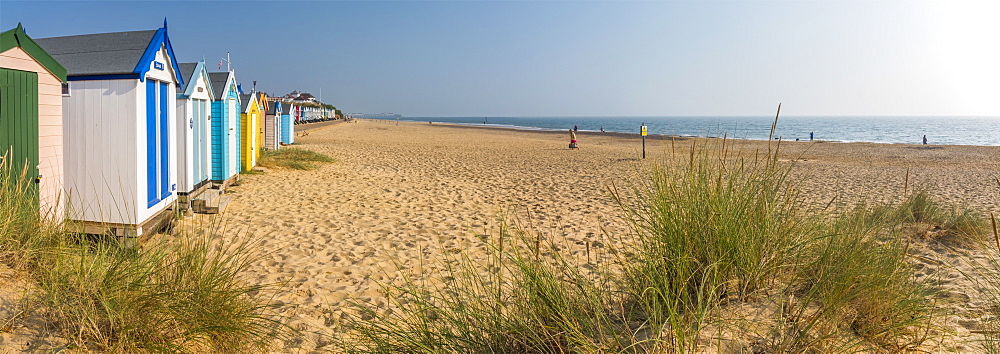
(208, 202)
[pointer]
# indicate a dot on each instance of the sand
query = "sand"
(402, 194)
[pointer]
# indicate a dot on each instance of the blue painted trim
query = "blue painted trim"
(102, 77)
(151, 195)
(160, 38)
(164, 143)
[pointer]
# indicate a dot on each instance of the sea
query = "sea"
(984, 131)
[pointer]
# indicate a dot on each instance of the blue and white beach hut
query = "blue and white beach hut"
(194, 144)
(119, 129)
(225, 128)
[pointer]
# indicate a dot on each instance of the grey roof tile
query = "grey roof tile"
(219, 81)
(187, 70)
(98, 54)
(244, 100)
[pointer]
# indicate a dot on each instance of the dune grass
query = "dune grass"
(710, 234)
(185, 295)
(293, 158)
(709, 231)
(528, 299)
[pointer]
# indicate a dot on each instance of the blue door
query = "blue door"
(152, 197)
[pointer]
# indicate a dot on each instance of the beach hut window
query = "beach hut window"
(65, 89)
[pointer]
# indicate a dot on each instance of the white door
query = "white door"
(233, 148)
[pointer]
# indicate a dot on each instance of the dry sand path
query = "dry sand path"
(399, 194)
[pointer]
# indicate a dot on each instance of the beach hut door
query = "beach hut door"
(231, 136)
(19, 126)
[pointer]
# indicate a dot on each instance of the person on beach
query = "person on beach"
(574, 128)
(810, 136)
(602, 129)
(925, 140)
(572, 139)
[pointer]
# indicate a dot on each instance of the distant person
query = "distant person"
(574, 128)
(925, 140)
(810, 136)
(572, 139)
(602, 129)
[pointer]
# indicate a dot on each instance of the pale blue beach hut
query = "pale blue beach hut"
(288, 122)
(225, 128)
(194, 144)
(119, 129)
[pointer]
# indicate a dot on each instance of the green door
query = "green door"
(19, 126)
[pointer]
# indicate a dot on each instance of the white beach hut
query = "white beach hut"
(119, 129)
(194, 145)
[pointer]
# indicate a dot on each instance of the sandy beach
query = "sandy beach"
(400, 195)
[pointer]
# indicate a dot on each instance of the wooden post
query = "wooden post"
(643, 139)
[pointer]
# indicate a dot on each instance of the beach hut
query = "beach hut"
(31, 117)
(225, 128)
(288, 121)
(194, 144)
(119, 129)
(272, 125)
(263, 105)
(249, 118)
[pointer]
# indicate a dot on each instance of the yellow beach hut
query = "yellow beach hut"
(263, 104)
(249, 118)
(31, 117)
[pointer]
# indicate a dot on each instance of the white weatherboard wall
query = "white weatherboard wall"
(105, 148)
(101, 162)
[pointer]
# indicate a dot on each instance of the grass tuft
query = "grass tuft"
(293, 158)
(528, 299)
(185, 295)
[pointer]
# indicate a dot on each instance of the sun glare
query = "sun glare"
(965, 41)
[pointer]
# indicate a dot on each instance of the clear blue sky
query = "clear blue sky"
(559, 58)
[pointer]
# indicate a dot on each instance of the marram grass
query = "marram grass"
(710, 234)
(293, 158)
(186, 295)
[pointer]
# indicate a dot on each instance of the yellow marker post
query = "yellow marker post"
(643, 139)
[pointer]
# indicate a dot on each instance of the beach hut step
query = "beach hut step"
(207, 202)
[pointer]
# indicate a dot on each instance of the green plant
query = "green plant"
(857, 291)
(529, 299)
(711, 229)
(181, 295)
(292, 158)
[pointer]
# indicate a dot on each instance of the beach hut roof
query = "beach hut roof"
(190, 73)
(245, 100)
(116, 55)
(187, 69)
(18, 38)
(272, 109)
(219, 82)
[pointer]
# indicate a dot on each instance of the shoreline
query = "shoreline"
(650, 136)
